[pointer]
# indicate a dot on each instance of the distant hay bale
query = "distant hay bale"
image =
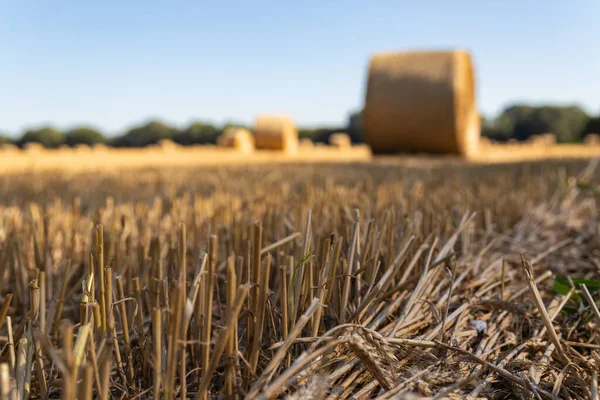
(237, 138)
(82, 148)
(9, 148)
(592, 139)
(543, 140)
(550, 139)
(100, 148)
(485, 141)
(167, 146)
(422, 102)
(34, 148)
(306, 144)
(276, 132)
(340, 140)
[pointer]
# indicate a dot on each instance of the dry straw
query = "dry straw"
(592, 139)
(340, 140)
(33, 148)
(299, 283)
(167, 146)
(239, 139)
(422, 102)
(276, 132)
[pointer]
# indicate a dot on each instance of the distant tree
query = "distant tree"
(522, 121)
(355, 128)
(145, 135)
(490, 130)
(592, 126)
(198, 133)
(319, 134)
(5, 139)
(84, 135)
(47, 136)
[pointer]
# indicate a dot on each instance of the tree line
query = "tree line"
(520, 122)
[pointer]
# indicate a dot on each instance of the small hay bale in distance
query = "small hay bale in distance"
(306, 144)
(100, 148)
(9, 148)
(592, 139)
(422, 102)
(237, 138)
(34, 148)
(340, 140)
(276, 132)
(82, 148)
(167, 146)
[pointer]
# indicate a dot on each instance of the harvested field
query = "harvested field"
(358, 280)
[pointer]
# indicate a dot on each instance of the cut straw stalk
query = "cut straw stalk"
(208, 302)
(221, 342)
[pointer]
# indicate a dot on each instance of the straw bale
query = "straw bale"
(306, 144)
(82, 148)
(9, 148)
(100, 148)
(167, 146)
(34, 148)
(276, 132)
(340, 140)
(592, 139)
(237, 138)
(422, 102)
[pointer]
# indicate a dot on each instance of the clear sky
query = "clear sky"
(117, 63)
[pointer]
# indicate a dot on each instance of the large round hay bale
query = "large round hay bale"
(422, 102)
(276, 132)
(340, 140)
(237, 138)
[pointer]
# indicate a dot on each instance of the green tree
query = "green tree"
(355, 128)
(145, 135)
(522, 121)
(84, 135)
(198, 133)
(5, 139)
(47, 136)
(592, 126)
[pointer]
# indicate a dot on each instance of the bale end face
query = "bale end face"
(237, 138)
(340, 140)
(276, 132)
(422, 102)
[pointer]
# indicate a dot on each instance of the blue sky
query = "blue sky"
(113, 64)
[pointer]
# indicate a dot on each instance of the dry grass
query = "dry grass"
(308, 281)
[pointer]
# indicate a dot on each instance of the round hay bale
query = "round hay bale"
(276, 132)
(422, 102)
(237, 138)
(550, 139)
(485, 141)
(9, 148)
(306, 144)
(82, 148)
(592, 139)
(34, 148)
(100, 148)
(340, 140)
(167, 146)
